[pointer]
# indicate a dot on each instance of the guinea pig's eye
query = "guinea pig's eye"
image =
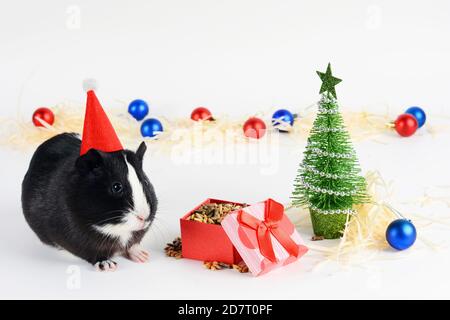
(117, 187)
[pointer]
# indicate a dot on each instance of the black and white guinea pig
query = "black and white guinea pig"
(95, 206)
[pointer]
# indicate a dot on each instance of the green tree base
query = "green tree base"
(329, 226)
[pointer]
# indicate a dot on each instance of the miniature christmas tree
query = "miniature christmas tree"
(328, 180)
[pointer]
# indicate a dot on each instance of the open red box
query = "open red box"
(207, 242)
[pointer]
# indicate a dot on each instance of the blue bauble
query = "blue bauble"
(419, 114)
(401, 234)
(151, 127)
(282, 120)
(138, 109)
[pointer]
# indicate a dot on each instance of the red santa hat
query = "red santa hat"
(98, 133)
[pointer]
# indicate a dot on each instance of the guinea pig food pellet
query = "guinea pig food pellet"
(215, 265)
(213, 213)
(174, 250)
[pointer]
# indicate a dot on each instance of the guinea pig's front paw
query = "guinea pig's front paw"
(105, 265)
(137, 254)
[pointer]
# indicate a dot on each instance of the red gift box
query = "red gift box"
(207, 242)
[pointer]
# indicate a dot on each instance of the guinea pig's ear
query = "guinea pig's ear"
(89, 161)
(140, 152)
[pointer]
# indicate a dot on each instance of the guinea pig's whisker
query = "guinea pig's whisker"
(111, 218)
(130, 205)
(103, 222)
(115, 211)
(162, 224)
(162, 231)
(154, 232)
(159, 218)
(159, 234)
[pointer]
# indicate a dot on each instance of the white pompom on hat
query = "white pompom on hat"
(90, 84)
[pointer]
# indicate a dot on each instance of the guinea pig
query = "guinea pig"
(95, 206)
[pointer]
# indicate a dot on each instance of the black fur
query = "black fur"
(64, 196)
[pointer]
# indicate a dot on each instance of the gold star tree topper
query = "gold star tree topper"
(328, 81)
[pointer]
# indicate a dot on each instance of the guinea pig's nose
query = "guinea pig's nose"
(140, 218)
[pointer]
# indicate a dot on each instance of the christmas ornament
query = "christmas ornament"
(283, 120)
(328, 181)
(254, 128)
(419, 114)
(98, 133)
(401, 234)
(405, 125)
(201, 113)
(43, 115)
(138, 109)
(151, 127)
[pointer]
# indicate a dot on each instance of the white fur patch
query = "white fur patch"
(121, 230)
(130, 222)
(141, 206)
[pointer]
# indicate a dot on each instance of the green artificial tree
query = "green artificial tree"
(328, 180)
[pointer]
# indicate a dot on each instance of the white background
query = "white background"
(237, 58)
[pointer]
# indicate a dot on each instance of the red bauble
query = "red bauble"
(254, 128)
(406, 125)
(201, 113)
(44, 114)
